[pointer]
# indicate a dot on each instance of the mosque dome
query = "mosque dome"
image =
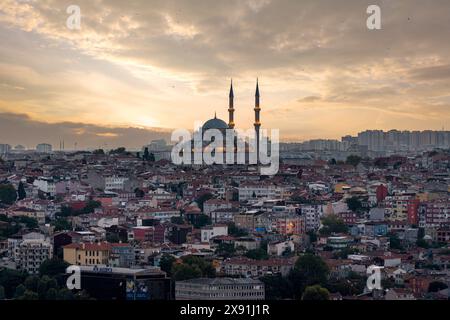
(215, 123)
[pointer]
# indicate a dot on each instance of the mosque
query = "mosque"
(221, 125)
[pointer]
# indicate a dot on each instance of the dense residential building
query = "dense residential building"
(118, 216)
(32, 251)
(327, 179)
(312, 215)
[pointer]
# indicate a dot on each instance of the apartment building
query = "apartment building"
(312, 214)
(219, 289)
(87, 254)
(245, 267)
(32, 251)
(256, 191)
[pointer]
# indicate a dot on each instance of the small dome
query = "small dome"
(215, 124)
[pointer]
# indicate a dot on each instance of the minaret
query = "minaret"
(231, 107)
(257, 121)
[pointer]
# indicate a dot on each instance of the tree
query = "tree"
(354, 204)
(353, 160)
(8, 194)
(309, 270)
(83, 295)
(394, 242)
(201, 221)
(112, 237)
(312, 236)
(31, 283)
(64, 294)
(235, 231)
(192, 267)
(316, 292)
(52, 294)
(28, 295)
(66, 212)
(151, 157)
(205, 266)
(276, 287)
(62, 224)
(225, 250)
(343, 253)
(120, 150)
(10, 280)
(201, 200)
(21, 191)
(185, 272)
(91, 206)
(53, 267)
(166, 263)
(313, 268)
(30, 223)
(257, 254)
(139, 193)
(99, 152)
(177, 220)
(352, 285)
(2, 293)
(333, 224)
(436, 286)
(146, 155)
(20, 290)
(422, 243)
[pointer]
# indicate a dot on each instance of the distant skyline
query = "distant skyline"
(60, 135)
(138, 69)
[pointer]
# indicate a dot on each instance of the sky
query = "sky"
(135, 70)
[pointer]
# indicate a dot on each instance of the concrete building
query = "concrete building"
(280, 247)
(312, 214)
(339, 242)
(246, 267)
(44, 148)
(88, 254)
(46, 185)
(4, 149)
(255, 191)
(213, 231)
(215, 204)
(109, 283)
(115, 183)
(219, 289)
(30, 213)
(32, 251)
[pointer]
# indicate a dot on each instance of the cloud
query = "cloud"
(309, 99)
(167, 63)
(21, 129)
(441, 72)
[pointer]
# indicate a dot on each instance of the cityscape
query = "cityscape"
(105, 193)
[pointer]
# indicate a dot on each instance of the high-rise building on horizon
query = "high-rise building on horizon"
(44, 148)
